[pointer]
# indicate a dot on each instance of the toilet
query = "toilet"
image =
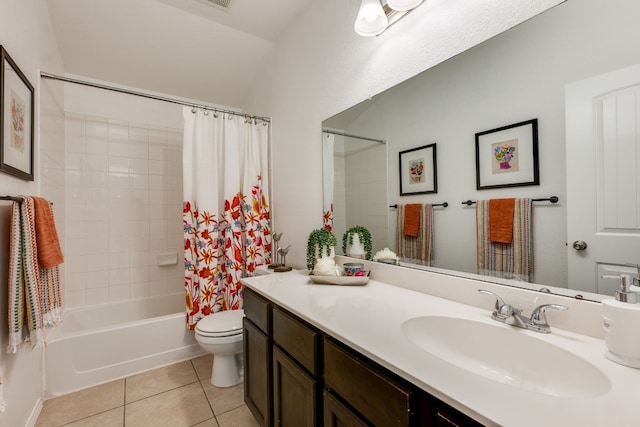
(220, 334)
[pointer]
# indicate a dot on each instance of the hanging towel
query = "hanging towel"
(511, 260)
(34, 293)
(49, 251)
(25, 292)
(417, 248)
(411, 224)
(501, 220)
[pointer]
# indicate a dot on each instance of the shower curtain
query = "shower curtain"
(226, 217)
(327, 178)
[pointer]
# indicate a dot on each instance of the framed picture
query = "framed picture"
(16, 120)
(418, 173)
(508, 156)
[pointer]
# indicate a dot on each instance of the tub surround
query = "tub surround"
(369, 318)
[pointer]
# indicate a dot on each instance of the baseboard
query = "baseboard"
(35, 413)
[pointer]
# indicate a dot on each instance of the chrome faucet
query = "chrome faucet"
(510, 315)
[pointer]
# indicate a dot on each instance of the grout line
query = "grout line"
(124, 410)
(205, 395)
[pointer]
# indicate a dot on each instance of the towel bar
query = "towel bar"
(552, 199)
(16, 199)
(444, 205)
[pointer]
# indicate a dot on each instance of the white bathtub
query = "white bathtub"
(94, 345)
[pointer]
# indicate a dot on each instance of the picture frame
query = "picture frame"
(508, 156)
(16, 120)
(418, 170)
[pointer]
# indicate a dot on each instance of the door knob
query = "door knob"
(579, 245)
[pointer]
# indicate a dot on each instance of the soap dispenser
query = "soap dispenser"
(621, 318)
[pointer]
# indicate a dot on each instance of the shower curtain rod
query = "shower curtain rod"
(381, 141)
(146, 95)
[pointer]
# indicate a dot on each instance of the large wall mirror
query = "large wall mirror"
(526, 73)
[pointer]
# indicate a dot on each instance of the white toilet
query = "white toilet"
(220, 334)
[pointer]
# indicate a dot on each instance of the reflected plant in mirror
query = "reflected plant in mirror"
(509, 79)
(356, 242)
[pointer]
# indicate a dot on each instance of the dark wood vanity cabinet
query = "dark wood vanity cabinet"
(297, 376)
(295, 370)
(257, 357)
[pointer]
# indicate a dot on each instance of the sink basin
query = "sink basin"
(507, 355)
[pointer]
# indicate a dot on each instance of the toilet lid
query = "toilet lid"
(221, 324)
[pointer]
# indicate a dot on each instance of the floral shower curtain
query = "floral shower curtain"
(226, 217)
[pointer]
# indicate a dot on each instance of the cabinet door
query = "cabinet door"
(337, 415)
(294, 393)
(257, 373)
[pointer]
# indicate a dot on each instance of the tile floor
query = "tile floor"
(179, 395)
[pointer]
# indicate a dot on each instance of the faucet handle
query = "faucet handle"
(636, 279)
(538, 319)
(500, 304)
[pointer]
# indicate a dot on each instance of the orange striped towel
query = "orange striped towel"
(49, 251)
(501, 220)
(411, 225)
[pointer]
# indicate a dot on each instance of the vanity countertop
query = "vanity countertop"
(369, 318)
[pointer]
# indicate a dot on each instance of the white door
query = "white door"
(603, 178)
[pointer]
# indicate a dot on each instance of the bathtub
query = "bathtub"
(98, 344)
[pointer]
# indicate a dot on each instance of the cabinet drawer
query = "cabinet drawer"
(256, 309)
(297, 339)
(382, 401)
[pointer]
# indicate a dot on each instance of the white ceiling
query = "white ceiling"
(183, 48)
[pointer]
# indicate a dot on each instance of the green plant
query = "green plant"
(365, 239)
(319, 238)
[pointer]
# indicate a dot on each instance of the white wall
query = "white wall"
(321, 67)
(25, 32)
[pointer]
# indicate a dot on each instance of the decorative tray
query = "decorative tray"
(340, 280)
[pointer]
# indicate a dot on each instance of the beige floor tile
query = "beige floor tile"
(180, 407)
(112, 418)
(81, 404)
(203, 366)
(159, 380)
(223, 399)
(239, 417)
(209, 423)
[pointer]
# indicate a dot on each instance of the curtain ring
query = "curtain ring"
(206, 112)
(193, 110)
(215, 114)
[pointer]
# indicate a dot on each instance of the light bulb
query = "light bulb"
(371, 19)
(403, 5)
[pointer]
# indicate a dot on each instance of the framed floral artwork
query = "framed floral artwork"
(508, 156)
(16, 120)
(418, 171)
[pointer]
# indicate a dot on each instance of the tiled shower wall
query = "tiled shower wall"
(123, 210)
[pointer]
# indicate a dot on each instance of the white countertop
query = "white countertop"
(369, 318)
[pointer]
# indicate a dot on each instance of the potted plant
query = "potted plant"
(319, 244)
(356, 242)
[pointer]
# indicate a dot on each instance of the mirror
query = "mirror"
(514, 77)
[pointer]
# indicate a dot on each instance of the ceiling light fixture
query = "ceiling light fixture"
(375, 16)
(371, 19)
(403, 5)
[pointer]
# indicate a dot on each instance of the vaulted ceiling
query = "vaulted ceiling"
(187, 48)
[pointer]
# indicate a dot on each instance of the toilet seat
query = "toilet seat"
(221, 324)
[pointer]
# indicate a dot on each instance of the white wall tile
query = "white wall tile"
(123, 188)
(97, 296)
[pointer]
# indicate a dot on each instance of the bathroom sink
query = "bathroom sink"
(509, 356)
